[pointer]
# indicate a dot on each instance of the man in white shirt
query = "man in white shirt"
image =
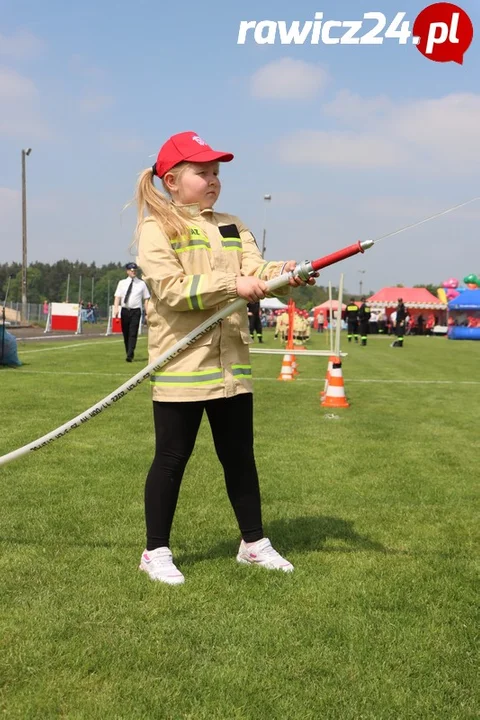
(373, 323)
(393, 321)
(132, 294)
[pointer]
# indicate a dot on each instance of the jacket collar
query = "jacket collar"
(194, 210)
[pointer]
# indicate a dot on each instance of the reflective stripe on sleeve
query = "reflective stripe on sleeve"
(258, 273)
(193, 293)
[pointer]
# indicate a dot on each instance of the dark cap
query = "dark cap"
(131, 266)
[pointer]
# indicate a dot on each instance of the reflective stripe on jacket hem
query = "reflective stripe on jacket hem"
(199, 377)
(242, 371)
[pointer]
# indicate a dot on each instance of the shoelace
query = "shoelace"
(271, 552)
(163, 560)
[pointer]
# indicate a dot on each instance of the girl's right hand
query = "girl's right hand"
(251, 288)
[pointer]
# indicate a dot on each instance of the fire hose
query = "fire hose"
(303, 270)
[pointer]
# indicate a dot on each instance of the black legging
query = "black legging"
(176, 428)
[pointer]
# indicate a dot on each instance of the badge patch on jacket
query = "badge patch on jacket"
(230, 237)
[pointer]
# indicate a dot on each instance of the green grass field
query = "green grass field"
(377, 510)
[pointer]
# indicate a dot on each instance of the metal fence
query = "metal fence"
(37, 313)
(13, 313)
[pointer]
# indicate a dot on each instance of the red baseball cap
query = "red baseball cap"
(186, 146)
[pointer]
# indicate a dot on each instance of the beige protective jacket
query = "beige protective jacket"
(189, 279)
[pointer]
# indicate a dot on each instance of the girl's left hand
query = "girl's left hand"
(296, 281)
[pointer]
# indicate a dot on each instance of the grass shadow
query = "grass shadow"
(301, 534)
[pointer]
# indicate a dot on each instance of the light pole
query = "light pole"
(24, 235)
(362, 272)
(266, 199)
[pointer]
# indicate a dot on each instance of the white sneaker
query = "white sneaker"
(158, 564)
(262, 553)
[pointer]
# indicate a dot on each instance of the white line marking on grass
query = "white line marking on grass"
(271, 379)
(371, 380)
(70, 347)
(66, 372)
(56, 337)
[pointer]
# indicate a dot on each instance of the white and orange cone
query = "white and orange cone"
(286, 373)
(335, 395)
(294, 366)
(331, 360)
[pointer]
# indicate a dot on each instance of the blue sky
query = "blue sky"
(350, 141)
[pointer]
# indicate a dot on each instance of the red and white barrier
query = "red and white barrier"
(64, 316)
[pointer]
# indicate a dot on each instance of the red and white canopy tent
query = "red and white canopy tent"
(418, 301)
(324, 310)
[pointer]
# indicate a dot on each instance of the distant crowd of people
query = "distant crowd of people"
(90, 312)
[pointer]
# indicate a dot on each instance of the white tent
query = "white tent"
(272, 304)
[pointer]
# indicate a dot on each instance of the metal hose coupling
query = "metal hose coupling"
(304, 270)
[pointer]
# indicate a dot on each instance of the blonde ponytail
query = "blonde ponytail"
(149, 201)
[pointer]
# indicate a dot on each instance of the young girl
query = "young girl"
(195, 261)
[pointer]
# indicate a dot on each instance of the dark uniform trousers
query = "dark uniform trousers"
(352, 322)
(363, 321)
(130, 318)
(352, 330)
(364, 330)
(254, 320)
(400, 333)
(255, 324)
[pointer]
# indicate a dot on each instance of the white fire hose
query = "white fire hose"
(303, 270)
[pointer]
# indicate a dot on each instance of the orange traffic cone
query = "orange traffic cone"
(331, 360)
(335, 395)
(294, 366)
(286, 373)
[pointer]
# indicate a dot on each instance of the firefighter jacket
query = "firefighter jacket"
(282, 324)
(364, 313)
(401, 313)
(352, 312)
(191, 278)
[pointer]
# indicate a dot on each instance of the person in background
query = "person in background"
(400, 316)
(363, 320)
(320, 321)
(382, 321)
(132, 294)
(352, 320)
(420, 324)
(254, 321)
(391, 322)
